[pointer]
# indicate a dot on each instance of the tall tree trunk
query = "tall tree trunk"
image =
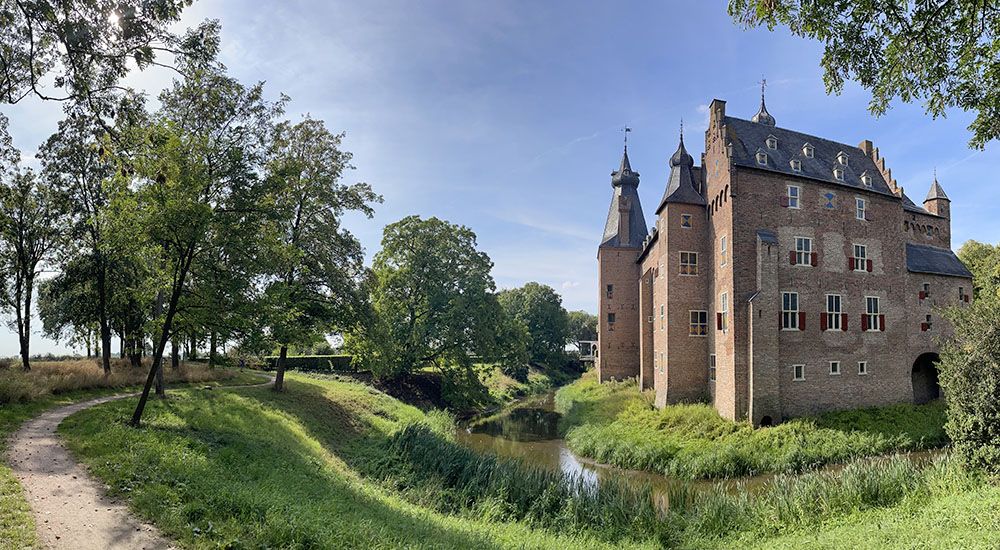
(161, 391)
(213, 347)
(175, 359)
(121, 343)
(279, 375)
(175, 296)
(102, 308)
(24, 332)
(194, 346)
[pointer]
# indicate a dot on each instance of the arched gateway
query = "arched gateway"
(925, 378)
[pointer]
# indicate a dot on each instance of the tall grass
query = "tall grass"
(454, 479)
(616, 424)
(56, 377)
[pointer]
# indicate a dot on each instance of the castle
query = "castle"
(785, 275)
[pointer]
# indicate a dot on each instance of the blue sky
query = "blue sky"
(506, 116)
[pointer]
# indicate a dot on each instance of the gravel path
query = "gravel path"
(71, 509)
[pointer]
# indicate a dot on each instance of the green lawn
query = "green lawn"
(251, 468)
(616, 424)
(17, 526)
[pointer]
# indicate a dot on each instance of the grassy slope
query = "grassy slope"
(17, 527)
(504, 390)
(614, 423)
(253, 468)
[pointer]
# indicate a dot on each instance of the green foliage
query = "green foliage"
(983, 260)
(539, 308)
(582, 326)
(432, 302)
(312, 363)
(940, 53)
(615, 424)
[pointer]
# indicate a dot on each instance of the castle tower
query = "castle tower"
(618, 278)
(937, 202)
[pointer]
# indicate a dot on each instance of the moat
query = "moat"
(529, 430)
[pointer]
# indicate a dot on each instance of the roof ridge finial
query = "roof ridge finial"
(763, 84)
(762, 116)
(626, 130)
(682, 129)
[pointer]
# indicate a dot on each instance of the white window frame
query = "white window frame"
(860, 208)
(862, 368)
(833, 317)
(796, 165)
(866, 179)
(808, 151)
(794, 198)
(842, 159)
(689, 268)
(723, 251)
(838, 174)
(835, 368)
(790, 311)
(803, 254)
(798, 373)
(860, 262)
(712, 362)
(873, 325)
(772, 142)
(697, 322)
(761, 158)
(724, 310)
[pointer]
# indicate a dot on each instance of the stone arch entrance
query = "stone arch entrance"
(925, 378)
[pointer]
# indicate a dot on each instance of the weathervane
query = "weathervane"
(625, 131)
(763, 84)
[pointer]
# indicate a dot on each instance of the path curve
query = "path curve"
(71, 509)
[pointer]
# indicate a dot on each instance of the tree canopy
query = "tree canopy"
(942, 53)
(539, 308)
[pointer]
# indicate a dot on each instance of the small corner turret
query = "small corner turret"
(937, 202)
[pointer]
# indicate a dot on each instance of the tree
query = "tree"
(942, 53)
(84, 46)
(317, 286)
(199, 176)
(540, 309)
(582, 326)
(31, 227)
(432, 302)
(984, 262)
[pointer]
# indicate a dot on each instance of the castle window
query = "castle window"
(722, 250)
(838, 174)
(798, 372)
(834, 368)
(686, 221)
(663, 363)
(610, 291)
(842, 158)
(689, 263)
(790, 311)
(873, 320)
(762, 158)
(860, 260)
(711, 367)
(930, 231)
(866, 179)
(807, 151)
(796, 165)
(792, 193)
(927, 322)
(803, 251)
(699, 323)
(722, 320)
(663, 317)
(859, 209)
(611, 318)
(862, 367)
(927, 289)
(834, 314)
(772, 142)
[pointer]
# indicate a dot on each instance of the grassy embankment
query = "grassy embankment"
(615, 424)
(54, 383)
(334, 463)
(329, 463)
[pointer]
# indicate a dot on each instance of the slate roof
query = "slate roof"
(767, 236)
(937, 261)
(748, 137)
(625, 183)
(682, 185)
(909, 206)
(936, 192)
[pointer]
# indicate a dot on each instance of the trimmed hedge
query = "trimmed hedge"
(311, 363)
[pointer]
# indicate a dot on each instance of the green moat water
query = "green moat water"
(529, 431)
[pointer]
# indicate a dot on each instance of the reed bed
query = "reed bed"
(56, 377)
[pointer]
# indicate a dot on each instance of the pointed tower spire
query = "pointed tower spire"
(762, 116)
(625, 175)
(937, 202)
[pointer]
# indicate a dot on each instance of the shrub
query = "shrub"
(312, 363)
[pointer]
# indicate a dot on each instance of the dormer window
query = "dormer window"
(842, 158)
(838, 174)
(866, 179)
(796, 165)
(772, 142)
(762, 158)
(807, 151)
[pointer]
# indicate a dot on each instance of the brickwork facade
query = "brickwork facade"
(785, 276)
